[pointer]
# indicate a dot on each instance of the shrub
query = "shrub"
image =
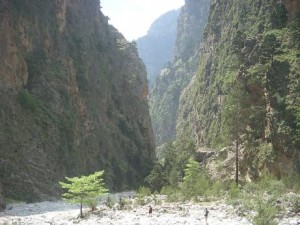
(216, 189)
(144, 191)
(265, 214)
(27, 100)
(270, 184)
(233, 192)
(157, 178)
(173, 194)
(109, 202)
(292, 182)
(141, 194)
(122, 203)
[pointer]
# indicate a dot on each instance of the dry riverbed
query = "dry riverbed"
(59, 212)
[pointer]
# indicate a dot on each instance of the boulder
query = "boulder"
(2, 200)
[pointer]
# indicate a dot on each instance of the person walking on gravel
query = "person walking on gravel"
(150, 210)
(206, 215)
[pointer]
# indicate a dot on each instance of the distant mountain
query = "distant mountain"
(157, 47)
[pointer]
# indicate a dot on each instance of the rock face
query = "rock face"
(203, 154)
(244, 89)
(175, 77)
(73, 99)
(2, 200)
(157, 47)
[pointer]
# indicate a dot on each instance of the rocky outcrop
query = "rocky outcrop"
(203, 154)
(73, 99)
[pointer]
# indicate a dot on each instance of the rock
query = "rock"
(202, 154)
(2, 200)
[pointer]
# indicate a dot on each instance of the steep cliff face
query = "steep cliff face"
(246, 86)
(157, 47)
(73, 99)
(174, 78)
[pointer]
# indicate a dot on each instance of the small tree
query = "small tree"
(157, 178)
(195, 181)
(84, 189)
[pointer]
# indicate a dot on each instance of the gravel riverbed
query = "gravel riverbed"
(59, 212)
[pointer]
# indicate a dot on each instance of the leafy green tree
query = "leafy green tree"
(84, 189)
(279, 17)
(157, 178)
(269, 47)
(195, 182)
(177, 155)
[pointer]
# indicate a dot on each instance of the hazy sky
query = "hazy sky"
(134, 17)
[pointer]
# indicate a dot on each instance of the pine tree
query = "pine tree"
(84, 189)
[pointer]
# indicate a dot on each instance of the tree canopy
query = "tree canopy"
(84, 189)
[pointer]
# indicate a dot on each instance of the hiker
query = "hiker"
(150, 210)
(206, 215)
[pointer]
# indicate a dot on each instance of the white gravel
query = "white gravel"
(166, 214)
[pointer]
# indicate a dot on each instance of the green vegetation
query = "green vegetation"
(246, 88)
(141, 194)
(195, 183)
(109, 201)
(261, 196)
(27, 100)
(84, 189)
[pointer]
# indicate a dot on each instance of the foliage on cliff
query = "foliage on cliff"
(175, 77)
(73, 99)
(246, 85)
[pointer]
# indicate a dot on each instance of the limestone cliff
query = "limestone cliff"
(246, 88)
(175, 77)
(156, 48)
(73, 99)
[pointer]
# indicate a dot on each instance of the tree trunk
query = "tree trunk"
(237, 147)
(81, 216)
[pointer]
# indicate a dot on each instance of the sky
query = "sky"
(133, 18)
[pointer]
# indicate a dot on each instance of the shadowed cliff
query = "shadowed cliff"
(73, 99)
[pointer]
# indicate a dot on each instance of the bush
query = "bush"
(296, 204)
(122, 203)
(27, 100)
(144, 191)
(157, 178)
(216, 189)
(292, 182)
(234, 191)
(271, 185)
(141, 194)
(173, 194)
(109, 202)
(265, 214)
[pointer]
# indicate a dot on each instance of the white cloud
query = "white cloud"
(134, 17)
